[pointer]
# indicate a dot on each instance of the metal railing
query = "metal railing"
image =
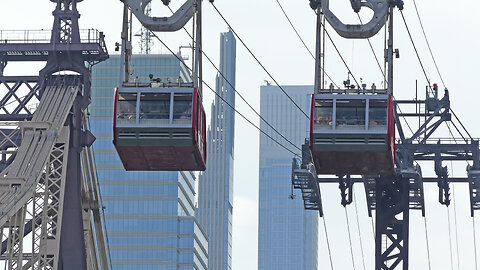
(456, 140)
(364, 91)
(44, 36)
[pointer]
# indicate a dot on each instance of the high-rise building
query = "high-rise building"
(149, 215)
(215, 197)
(287, 234)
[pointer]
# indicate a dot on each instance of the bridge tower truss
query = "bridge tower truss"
(50, 208)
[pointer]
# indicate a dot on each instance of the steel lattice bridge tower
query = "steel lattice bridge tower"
(392, 190)
(49, 200)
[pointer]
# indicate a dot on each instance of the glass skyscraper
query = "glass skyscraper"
(287, 234)
(149, 215)
(215, 199)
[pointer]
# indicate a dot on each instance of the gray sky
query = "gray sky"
(452, 28)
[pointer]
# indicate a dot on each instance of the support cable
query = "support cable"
(425, 73)
(475, 242)
(358, 227)
(451, 133)
(450, 238)
(456, 223)
(404, 118)
(339, 54)
(226, 102)
(100, 197)
(248, 104)
(328, 242)
(428, 245)
(324, 48)
(416, 51)
(374, 53)
(303, 42)
(349, 237)
(295, 29)
(428, 44)
(15, 100)
(435, 62)
(461, 124)
(240, 95)
(258, 61)
(385, 46)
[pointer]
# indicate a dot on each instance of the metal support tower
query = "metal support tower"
(49, 192)
(145, 35)
(393, 196)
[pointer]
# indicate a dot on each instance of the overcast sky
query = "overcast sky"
(452, 28)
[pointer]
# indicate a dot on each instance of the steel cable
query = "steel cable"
(435, 63)
(426, 76)
(450, 238)
(428, 44)
(100, 195)
(226, 102)
(258, 61)
(349, 237)
(358, 227)
(240, 95)
(475, 242)
(428, 245)
(328, 242)
(339, 54)
(456, 223)
(301, 39)
(374, 54)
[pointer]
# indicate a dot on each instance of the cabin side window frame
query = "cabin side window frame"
(121, 109)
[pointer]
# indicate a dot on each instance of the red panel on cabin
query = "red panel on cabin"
(161, 158)
(354, 163)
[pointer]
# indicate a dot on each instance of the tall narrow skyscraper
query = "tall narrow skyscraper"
(215, 198)
(287, 234)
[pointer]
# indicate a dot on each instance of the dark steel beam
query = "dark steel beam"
(409, 102)
(392, 223)
(359, 180)
(11, 79)
(40, 51)
(419, 148)
(415, 114)
(15, 117)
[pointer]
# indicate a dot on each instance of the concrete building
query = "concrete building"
(215, 199)
(287, 234)
(149, 215)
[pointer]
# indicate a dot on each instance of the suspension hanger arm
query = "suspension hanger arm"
(359, 31)
(162, 24)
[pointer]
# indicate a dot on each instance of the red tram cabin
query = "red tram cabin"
(159, 128)
(352, 134)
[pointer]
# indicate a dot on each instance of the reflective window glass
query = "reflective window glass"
(350, 114)
(127, 108)
(155, 108)
(182, 108)
(323, 114)
(377, 114)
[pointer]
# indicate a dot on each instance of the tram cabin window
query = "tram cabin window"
(154, 108)
(378, 115)
(182, 108)
(350, 114)
(127, 108)
(323, 113)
